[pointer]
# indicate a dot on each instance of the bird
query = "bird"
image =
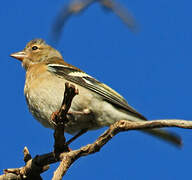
(96, 106)
(76, 7)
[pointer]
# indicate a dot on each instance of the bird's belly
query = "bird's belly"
(45, 99)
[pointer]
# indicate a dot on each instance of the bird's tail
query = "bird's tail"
(165, 135)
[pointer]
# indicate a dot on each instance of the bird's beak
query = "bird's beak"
(19, 55)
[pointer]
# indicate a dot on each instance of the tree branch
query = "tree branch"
(67, 158)
(34, 167)
(60, 118)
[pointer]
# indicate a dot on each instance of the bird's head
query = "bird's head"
(36, 51)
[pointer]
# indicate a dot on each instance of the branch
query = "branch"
(34, 167)
(60, 118)
(68, 158)
(120, 126)
(30, 171)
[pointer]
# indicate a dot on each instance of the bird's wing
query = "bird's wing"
(77, 76)
(74, 7)
(120, 11)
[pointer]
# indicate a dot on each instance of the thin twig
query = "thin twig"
(27, 155)
(60, 118)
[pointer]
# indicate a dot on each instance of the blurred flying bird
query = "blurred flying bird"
(75, 7)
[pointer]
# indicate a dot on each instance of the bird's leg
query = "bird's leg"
(81, 132)
(83, 112)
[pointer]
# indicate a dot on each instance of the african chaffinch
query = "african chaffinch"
(97, 105)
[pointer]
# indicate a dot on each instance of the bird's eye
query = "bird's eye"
(34, 48)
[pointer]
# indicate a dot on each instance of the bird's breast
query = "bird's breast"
(44, 94)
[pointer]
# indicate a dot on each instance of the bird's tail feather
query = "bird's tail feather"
(165, 135)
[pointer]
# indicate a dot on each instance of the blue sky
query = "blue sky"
(151, 69)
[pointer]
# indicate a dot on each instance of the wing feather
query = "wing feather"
(79, 77)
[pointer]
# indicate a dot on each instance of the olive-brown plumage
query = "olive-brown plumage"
(97, 105)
